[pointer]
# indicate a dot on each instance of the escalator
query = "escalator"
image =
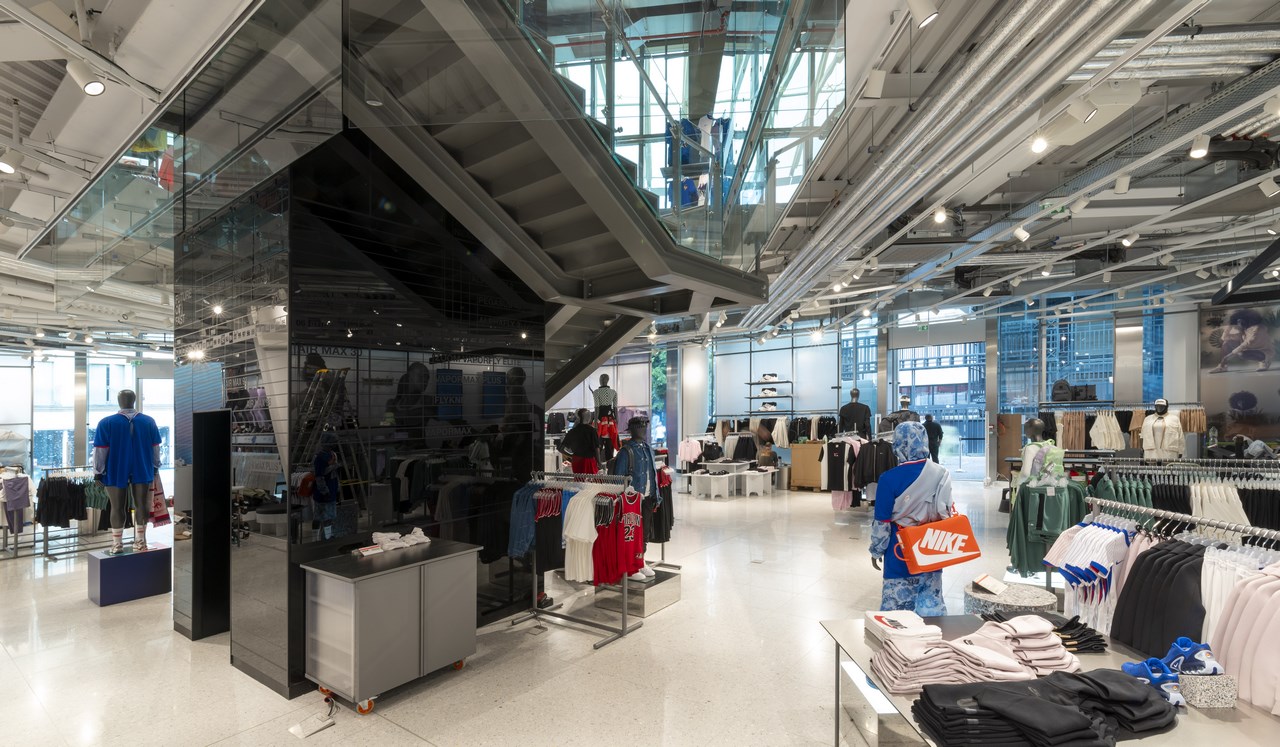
(463, 98)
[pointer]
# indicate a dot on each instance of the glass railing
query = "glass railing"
(673, 90)
(797, 121)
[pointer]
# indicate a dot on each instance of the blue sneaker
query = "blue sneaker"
(1154, 672)
(1188, 657)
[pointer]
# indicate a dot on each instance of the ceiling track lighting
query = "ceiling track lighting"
(839, 286)
(1269, 187)
(1199, 146)
(1122, 184)
(7, 162)
(873, 264)
(1106, 276)
(1016, 281)
(1274, 228)
(1021, 234)
(924, 12)
(86, 78)
(856, 274)
(1039, 144)
(1202, 273)
(866, 313)
(986, 292)
(1083, 110)
(1130, 239)
(940, 215)
(1046, 271)
(1272, 106)
(1079, 205)
(39, 332)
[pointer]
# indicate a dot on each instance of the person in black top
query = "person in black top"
(934, 431)
(581, 445)
(855, 417)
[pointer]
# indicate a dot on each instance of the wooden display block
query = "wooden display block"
(133, 575)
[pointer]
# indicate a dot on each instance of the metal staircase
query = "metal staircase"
(463, 99)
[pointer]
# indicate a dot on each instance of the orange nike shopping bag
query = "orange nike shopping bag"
(936, 545)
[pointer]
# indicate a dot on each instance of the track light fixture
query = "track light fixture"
(986, 292)
(6, 164)
(217, 308)
(1106, 276)
(39, 332)
(88, 80)
(1269, 187)
(1083, 110)
(1202, 273)
(940, 214)
(873, 264)
(839, 286)
(1129, 240)
(1120, 294)
(1039, 144)
(1275, 274)
(1046, 271)
(1021, 234)
(1165, 260)
(1272, 106)
(922, 11)
(71, 337)
(1274, 228)
(1199, 146)
(88, 339)
(816, 334)
(1122, 184)
(866, 313)
(1079, 205)
(1016, 281)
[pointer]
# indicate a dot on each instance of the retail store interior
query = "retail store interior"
(557, 372)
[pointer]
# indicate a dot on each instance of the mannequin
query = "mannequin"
(1162, 433)
(636, 460)
(1041, 459)
(855, 416)
(606, 398)
(581, 445)
(904, 414)
(126, 454)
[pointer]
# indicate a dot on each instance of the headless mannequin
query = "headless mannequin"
(855, 416)
(1039, 463)
(125, 494)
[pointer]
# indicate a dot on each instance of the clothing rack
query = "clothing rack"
(1100, 503)
(1211, 464)
(61, 544)
(535, 613)
(1107, 404)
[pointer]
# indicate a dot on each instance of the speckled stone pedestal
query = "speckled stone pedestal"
(1209, 690)
(1015, 600)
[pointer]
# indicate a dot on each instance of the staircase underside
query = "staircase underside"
(459, 96)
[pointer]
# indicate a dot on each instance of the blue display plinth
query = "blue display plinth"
(133, 575)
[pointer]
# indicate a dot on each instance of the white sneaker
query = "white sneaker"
(116, 549)
(638, 576)
(139, 546)
(648, 572)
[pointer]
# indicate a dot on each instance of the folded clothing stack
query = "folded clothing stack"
(1077, 637)
(900, 624)
(397, 541)
(1089, 709)
(1019, 649)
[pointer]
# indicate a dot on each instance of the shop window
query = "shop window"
(1082, 352)
(1018, 365)
(1152, 355)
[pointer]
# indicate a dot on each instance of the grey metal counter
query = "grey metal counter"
(885, 718)
(375, 623)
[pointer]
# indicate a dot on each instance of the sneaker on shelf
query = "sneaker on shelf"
(769, 377)
(1188, 657)
(544, 601)
(648, 572)
(638, 576)
(769, 406)
(116, 550)
(139, 546)
(1155, 673)
(768, 392)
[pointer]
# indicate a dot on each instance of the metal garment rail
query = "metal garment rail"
(1106, 404)
(535, 613)
(1252, 531)
(1181, 466)
(61, 543)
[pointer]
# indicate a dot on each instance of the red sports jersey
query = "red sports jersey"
(632, 533)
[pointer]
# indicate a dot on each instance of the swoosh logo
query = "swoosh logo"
(928, 557)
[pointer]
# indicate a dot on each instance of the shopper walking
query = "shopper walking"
(915, 492)
(934, 431)
(581, 444)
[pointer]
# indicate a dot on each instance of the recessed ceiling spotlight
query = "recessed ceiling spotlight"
(524, 335)
(1269, 187)
(1129, 240)
(86, 78)
(940, 215)
(1122, 184)
(1021, 234)
(923, 11)
(1039, 144)
(1199, 146)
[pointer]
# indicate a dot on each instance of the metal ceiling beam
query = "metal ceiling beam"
(77, 51)
(1232, 292)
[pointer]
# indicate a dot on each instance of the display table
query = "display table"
(754, 482)
(884, 718)
(1017, 599)
(712, 485)
(377, 622)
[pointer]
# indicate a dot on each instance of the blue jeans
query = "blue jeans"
(324, 514)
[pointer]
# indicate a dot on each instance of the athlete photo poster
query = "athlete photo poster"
(1239, 371)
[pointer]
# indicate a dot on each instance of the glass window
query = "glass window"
(1018, 365)
(1152, 354)
(1082, 352)
(53, 415)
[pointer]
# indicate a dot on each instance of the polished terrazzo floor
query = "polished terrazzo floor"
(740, 659)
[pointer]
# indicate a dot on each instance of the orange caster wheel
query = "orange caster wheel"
(364, 708)
(459, 664)
(325, 691)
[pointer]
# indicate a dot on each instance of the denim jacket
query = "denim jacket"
(635, 459)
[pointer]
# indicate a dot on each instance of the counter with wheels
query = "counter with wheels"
(377, 622)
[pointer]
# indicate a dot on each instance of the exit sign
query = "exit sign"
(923, 327)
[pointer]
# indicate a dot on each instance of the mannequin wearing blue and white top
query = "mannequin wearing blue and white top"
(126, 454)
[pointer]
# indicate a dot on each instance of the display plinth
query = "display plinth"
(134, 575)
(643, 598)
